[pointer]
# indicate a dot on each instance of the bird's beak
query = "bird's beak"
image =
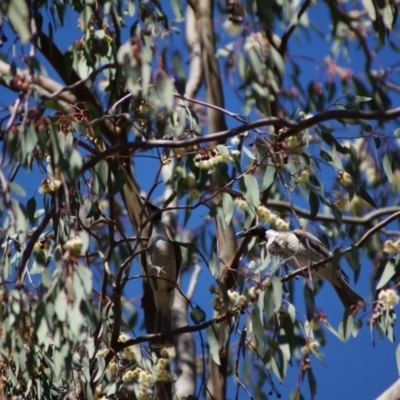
(255, 231)
(243, 234)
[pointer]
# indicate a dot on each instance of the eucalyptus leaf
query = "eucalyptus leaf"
(346, 327)
(17, 189)
(269, 177)
(398, 358)
(387, 167)
(76, 321)
(252, 191)
(365, 195)
(295, 394)
(277, 293)
(312, 382)
(313, 201)
(101, 172)
(18, 14)
(197, 315)
(258, 328)
(75, 164)
(164, 90)
(31, 209)
(387, 274)
(213, 340)
(227, 205)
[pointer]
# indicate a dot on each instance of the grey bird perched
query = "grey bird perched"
(161, 263)
(301, 249)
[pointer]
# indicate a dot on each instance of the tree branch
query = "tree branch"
(293, 128)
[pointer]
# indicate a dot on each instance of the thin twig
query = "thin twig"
(293, 128)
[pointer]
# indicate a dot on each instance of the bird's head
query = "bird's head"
(153, 212)
(257, 231)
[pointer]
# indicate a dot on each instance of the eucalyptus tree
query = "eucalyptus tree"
(224, 116)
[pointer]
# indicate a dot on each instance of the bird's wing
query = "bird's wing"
(143, 260)
(178, 257)
(317, 245)
(312, 242)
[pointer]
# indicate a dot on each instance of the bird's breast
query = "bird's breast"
(275, 247)
(161, 253)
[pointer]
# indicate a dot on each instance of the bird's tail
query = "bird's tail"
(163, 325)
(347, 295)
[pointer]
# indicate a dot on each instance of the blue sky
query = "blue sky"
(352, 370)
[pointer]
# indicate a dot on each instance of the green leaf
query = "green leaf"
(17, 189)
(269, 177)
(75, 163)
(225, 51)
(212, 335)
(265, 14)
(42, 330)
(312, 382)
(353, 258)
(398, 358)
(268, 302)
(39, 213)
(76, 320)
(101, 366)
(101, 178)
(248, 153)
(313, 201)
(332, 330)
(20, 218)
(337, 213)
(353, 157)
(164, 90)
(197, 315)
(278, 60)
(227, 205)
(61, 305)
(346, 326)
(18, 14)
(325, 156)
(387, 166)
(295, 394)
(221, 217)
(357, 327)
(29, 140)
(31, 209)
(39, 263)
(277, 293)
(84, 276)
(45, 280)
(255, 62)
(111, 390)
(275, 367)
(388, 273)
(131, 8)
(309, 299)
(292, 312)
(362, 99)
(253, 192)
(364, 194)
(258, 328)
(370, 8)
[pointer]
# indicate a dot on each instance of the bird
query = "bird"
(161, 262)
(300, 249)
